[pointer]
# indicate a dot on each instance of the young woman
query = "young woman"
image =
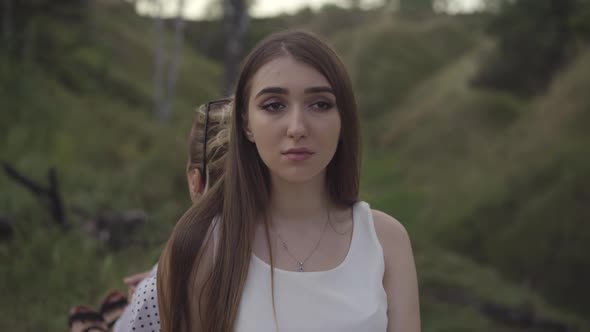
(206, 151)
(282, 241)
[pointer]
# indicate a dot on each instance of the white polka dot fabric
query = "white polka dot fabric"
(144, 307)
(141, 315)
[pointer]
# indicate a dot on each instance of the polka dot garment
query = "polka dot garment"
(144, 307)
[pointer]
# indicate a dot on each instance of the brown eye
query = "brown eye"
(273, 107)
(322, 106)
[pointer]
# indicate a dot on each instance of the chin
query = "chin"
(298, 175)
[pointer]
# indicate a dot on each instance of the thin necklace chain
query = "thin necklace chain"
(334, 229)
(300, 263)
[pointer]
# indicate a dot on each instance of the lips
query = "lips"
(297, 154)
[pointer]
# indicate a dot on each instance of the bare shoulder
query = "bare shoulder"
(399, 278)
(390, 231)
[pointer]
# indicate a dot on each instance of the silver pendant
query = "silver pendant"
(300, 269)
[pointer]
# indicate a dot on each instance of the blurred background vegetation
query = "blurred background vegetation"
(476, 136)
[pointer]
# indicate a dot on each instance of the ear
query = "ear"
(195, 183)
(246, 127)
(249, 135)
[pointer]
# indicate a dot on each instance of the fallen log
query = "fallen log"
(50, 194)
(6, 228)
(519, 317)
(115, 228)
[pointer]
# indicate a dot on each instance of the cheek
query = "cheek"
(331, 131)
(252, 124)
(265, 136)
(259, 127)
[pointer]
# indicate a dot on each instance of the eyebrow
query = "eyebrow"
(319, 89)
(283, 91)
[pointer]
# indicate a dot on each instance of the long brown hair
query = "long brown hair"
(242, 196)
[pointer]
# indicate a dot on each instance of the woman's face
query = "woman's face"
(293, 119)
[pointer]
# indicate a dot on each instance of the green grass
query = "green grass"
(389, 57)
(89, 116)
(383, 186)
(500, 178)
(440, 270)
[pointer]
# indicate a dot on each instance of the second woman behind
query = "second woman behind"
(207, 147)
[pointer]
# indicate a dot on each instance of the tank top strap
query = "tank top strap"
(365, 241)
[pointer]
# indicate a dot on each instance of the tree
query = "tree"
(415, 6)
(354, 4)
(159, 63)
(236, 22)
(175, 58)
(7, 23)
(18, 17)
(535, 39)
(166, 73)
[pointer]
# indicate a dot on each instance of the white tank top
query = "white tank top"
(349, 297)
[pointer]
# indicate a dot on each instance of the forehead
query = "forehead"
(286, 72)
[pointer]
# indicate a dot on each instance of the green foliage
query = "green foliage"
(454, 288)
(538, 213)
(535, 39)
(45, 272)
(384, 188)
(27, 19)
(414, 7)
(389, 58)
(502, 179)
(85, 110)
(207, 37)
(457, 162)
(580, 22)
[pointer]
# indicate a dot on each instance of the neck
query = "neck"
(299, 202)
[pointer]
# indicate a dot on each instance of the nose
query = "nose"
(297, 128)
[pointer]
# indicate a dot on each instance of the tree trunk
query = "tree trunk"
(236, 21)
(50, 194)
(175, 60)
(415, 6)
(7, 24)
(159, 63)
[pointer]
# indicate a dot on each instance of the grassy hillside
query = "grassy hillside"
(390, 56)
(89, 115)
(499, 178)
(487, 174)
